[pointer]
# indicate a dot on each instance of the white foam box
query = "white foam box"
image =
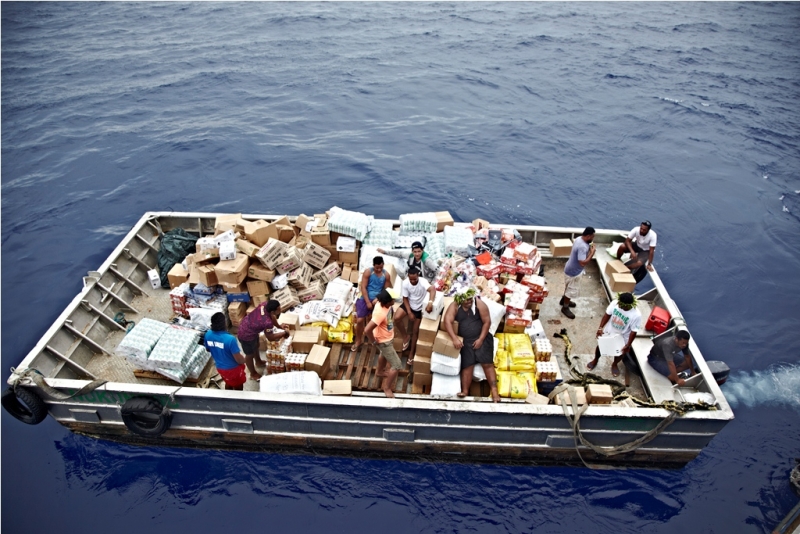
(227, 250)
(155, 281)
(438, 306)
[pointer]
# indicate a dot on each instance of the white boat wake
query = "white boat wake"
(779, 384)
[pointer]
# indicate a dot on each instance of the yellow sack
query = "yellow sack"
(515, 385)
(514, 353)
(343, 333)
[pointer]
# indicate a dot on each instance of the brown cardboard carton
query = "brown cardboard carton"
(349, 257)
(177, 275)
(208, 255)
(443, 326)
(421, 384)
(233, 271)
(355, 276)
(259, 272)
(255, 300)
(513, 329)
(321, 235)
(302, 221)
(479, 224)
(292, 259)
(234, 288)
(237, 311)
(262, 341)
(334, 257)
(427, 330)
(227, 222)
(291, 320)
(599, 394)
(444, 345)
(424, 349)
(560, 248)
(194, 275)
(315, 291)
(257, 287)
(257, 232)
(535, 398)
(616, 266)
(622, 282)
(391, 272)
(318, 360)
(443, 218)
(580, 397)
(307, 337)
(337, 387)
(422, 364)
(316, 255)
(300, 278)
(327, 273)
(346, 272)
(246, 247)
(270, 254)
(207, 275)
(285, 232)
(481, 389)
(287, 297)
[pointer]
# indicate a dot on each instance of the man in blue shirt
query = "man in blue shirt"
(582, 253)
(226, 353)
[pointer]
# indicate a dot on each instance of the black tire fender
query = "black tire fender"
(24, 404)
(145, 416)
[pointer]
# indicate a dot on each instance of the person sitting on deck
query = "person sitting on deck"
(225, 351)
(473, 325)
(580, 256)
(414, 288)
(641, 243)
(373, 281)
(380, 332)
(666, 352)
(262, 319)
(621, 318)
(416, 257)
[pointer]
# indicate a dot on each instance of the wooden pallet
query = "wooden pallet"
(361, 368)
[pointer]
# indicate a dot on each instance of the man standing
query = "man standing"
(641, 243)
(225, 351)
(373, 281)
(264, 318)
(473, 325)
(582, 253)
(380, 331)
(414, 290)
(666, 352)
(416, 257)
(621, 318)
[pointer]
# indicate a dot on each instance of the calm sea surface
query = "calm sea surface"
(559, 114)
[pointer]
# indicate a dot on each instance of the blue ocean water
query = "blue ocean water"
(564, 114)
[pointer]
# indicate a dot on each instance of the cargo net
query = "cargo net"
(566, 393)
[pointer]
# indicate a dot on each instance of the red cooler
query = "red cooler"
(658, 321)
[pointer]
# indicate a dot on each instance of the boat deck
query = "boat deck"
(591, 304)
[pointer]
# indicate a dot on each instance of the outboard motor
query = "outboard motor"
(720, 370)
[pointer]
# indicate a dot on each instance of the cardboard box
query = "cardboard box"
(421, 383)
(302, 221)
(316, 255)
(259, 272)
(238, 297)
(315, 291)
(257, 287)
(255, 300)
(422, 364)
(258, 232)
(232, 271)
(349, 257)
(599, 394)
(444, 345)
(580, 397)
(328, 273)
(391, 273)
(155, 279)
(424, 349)
(205, 243)
(337, 387)
(227, 222)
(346, 244)
(285, 232)
(206, 256)
(334, 257)
(535, 398)
(616, 266)
(513, 328)
(194, 275)
(560, 248)
(427, 330)
(479, 224)
(355, 277)
(622, 282)
(237, 311)
(270, 254)
(346, 272)
(300, 278)
(307, 337)
(207, 275)
(247, 248)
(443, 326)
(291, 320)
(319, 358)
(443, 218)
(177, 276)
(287, 297)
(227, 250)
(234, 288)
(321, 235)
(292, 259)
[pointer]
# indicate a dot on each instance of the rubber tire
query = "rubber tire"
(145, 416)
(24, 405)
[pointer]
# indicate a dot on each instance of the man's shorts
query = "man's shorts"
(484, 355)
(233, 377)
(388, 352)
(659, 365)
(361, 308)
(249, 347)
(572, 286)
(417, 314)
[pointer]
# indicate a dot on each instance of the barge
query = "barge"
(75, 375)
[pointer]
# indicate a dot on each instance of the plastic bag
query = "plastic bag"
(516, 385)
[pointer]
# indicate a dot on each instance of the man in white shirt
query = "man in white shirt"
(621, 318)
(415, 292)
(641, 243)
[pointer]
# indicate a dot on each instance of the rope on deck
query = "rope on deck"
(35, 376)
(567, 387)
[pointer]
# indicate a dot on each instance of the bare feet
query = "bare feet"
(389, 393)
(591, 365)
(495, 397)
(255, 376)
(461, 394)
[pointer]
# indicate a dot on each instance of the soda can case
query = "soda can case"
(658, 321)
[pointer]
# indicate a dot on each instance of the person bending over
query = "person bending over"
(226, 354)
(262, 319)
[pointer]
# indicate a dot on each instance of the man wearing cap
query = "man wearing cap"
(417, 295)
(582, 253)
(225, 350)
(622, 319)
(671, 355)
(641, 243)
(416, 257)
